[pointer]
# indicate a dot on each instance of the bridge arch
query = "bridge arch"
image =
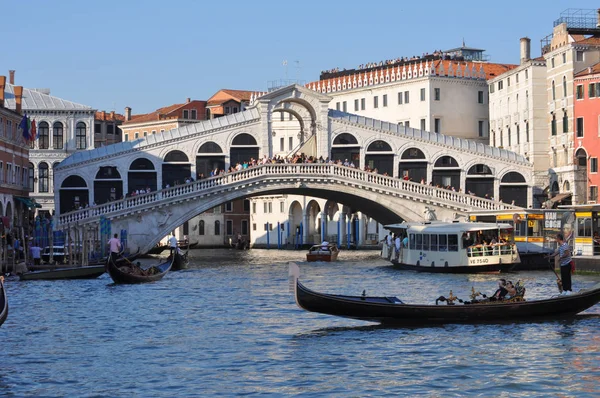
(413, 164)
(295, 219)
(480, 180)
(108, 185)
(243, 147)
(304, 103)
(209, 157)
(73, 193)
(313, 221)
(380, 155)
(295, 113)
(346, 146)
(142, 175)
(446, 172)
(513, 187)
(176, 168)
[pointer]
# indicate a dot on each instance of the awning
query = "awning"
(560, 196)
(30, 203)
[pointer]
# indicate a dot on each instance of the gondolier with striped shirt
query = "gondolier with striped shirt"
(564, 258)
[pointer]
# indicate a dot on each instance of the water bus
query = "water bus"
(455, 247)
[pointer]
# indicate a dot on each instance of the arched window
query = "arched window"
(57, 135)
(564, 86)
(43, 134)
(479, 169)
(379, 146)
(176, 156)
(513, 177)
(565, 123)
(217, 227)
(43, 177)
(201, 227)
(345, 139)
(74, 182)
(210, 147)
(31, 177)
(553, 124)
(244, 139)
(80, 136)
(566, 186)
(446, 161)
(141, 164)
(413, 153)
(553, 91)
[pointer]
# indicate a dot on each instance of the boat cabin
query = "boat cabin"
(454, 244)
(584, 234)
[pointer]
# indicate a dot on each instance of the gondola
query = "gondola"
(180, 262)
(3, 302)
(120, 261)
(392, 310)
(158, 249)
(81, 272)
(119, 276)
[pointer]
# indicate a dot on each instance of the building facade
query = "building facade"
(587, 127)
(518, 116)
(107, 129)
(571, 48)
(162, 119)
(14, 165)
(63, 128)
(439, 94)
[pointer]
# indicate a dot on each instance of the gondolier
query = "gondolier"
(564, 258)
(115, 247)
(173, 244)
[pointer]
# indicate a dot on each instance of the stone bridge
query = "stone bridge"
(103, 175)
(149, 217)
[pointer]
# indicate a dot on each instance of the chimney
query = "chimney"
(103, 115)
(188, 100)
(2, 84)
(18, 98)
(11, 76)
(112, 115)
(525, 49)
(127, 113)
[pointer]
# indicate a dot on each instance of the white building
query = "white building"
(518, 115)
(63, 127)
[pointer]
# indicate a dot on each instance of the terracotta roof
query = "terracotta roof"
(592, 70)
(165, 113)
(216, 110)
(594, 40)
(491, 70)
(107, 116)
(224, 95)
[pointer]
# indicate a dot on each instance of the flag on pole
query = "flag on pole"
(24, 126)
(33, 130)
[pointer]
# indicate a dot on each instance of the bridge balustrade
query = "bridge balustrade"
(371, 180)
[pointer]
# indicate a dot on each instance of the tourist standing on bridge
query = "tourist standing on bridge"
(115, 247)
(564, 258)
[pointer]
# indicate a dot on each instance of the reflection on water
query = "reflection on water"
(229, 326)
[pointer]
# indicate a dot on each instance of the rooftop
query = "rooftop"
(34, 99)
(165, 113)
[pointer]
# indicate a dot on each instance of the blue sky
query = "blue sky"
(149, 54)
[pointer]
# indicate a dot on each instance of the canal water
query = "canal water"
(229, 326)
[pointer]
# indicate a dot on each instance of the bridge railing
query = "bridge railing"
(394, 185)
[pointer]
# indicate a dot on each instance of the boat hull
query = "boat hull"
(390, 310)
(322, 257)
(3, 303)
(84, 272)
(460, 269)
(180, 262)
(119, 276)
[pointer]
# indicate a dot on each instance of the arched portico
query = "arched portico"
(210, 157)
(413, 165)
(176, 168)
(73, 193)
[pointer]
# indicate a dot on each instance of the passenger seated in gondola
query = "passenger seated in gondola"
(510, 290)
(325, 246)
(501, 292)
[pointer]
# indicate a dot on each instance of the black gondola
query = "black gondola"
(120, 261)
(119, 276)
(391, 310)
(158, 249)
(3, 302)
(79, 272)
(180, 262)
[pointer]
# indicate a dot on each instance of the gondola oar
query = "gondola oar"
(552, 267)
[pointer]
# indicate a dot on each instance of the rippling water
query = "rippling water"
(229, 326)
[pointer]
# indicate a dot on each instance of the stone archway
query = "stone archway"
(73, 194)
(313, 222)
(295, 220)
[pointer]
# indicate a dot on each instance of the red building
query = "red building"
(587, 127)
(16, 175)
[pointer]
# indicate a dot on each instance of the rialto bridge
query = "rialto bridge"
(97, 179)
